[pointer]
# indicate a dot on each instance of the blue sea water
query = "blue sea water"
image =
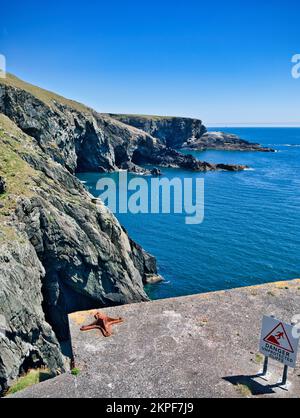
(251, 230)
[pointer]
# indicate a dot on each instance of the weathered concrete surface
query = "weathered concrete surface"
(196, 346)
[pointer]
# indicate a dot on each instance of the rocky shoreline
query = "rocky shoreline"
(188, 133)
(60, 251)
(82, 140)
(218, 332)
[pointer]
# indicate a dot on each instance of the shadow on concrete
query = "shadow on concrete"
(249, 383)
(67, 351)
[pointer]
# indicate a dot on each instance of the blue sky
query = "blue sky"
(222, 61)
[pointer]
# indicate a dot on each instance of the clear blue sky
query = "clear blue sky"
(222, 61)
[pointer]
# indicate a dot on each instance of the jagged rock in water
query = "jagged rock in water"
(62, 250)
(223, 141)
(134, 168)
(168, 157)
(156, 171)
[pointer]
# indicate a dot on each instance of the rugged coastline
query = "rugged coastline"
(61, 252)
(188, 133)
(223, 141)
(81, 139)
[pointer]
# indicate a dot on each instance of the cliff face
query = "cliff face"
(26, 339)
(223, 141)
(171, 131)
(187, 133)
(56, 246)
(83, 140)
(71, 134)
(59, 250)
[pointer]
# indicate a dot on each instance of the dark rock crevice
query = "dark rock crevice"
(92, 154)
(2, 185)
(33, 360)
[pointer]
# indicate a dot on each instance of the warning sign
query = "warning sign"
(277, 341)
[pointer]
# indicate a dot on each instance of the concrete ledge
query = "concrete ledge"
(197, 346)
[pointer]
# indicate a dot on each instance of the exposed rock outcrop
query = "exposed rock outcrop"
(61, 250)
(26, 339)
(83, 140)
(170, 131)
(168, 157)
(56, 245)
(2, 185)
(223, 141)
(176, 132)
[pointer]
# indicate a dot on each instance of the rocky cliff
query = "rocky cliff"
(60, 250)
(176, 132)
(223, 141)
(170, 131)
(83, 140)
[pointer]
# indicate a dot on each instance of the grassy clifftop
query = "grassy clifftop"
(50, 98)
(45, 96)
(17, 173)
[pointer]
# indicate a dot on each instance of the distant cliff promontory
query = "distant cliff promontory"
(59, 251)
(187, 133)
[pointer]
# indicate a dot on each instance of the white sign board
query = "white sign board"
(278, 342)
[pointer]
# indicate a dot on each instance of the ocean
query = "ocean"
(251, 229)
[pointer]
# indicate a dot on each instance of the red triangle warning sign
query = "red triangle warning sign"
(279, 338)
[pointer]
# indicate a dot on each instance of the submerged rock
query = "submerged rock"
(156, 171)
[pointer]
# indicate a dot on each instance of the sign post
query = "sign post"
(278, 343)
